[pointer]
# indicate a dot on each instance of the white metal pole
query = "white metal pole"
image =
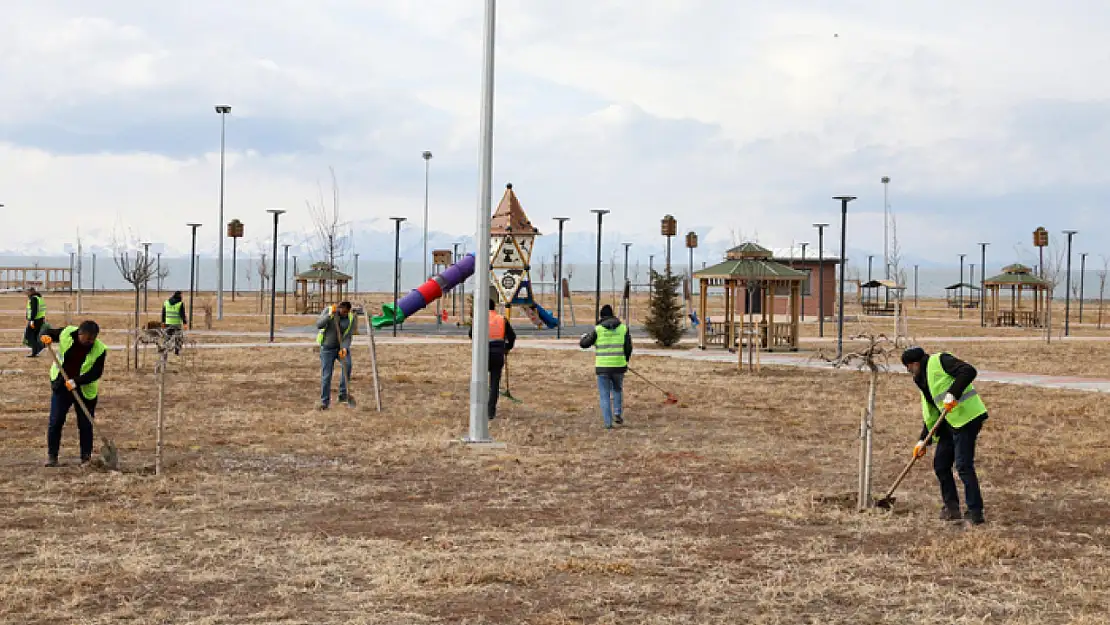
(479, 362)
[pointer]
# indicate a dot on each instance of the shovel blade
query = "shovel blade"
(886, 503)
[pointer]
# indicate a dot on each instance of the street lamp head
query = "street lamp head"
(275, 211)
(1071, 232)
(223, 109)
(844, 198)
(819, 226)
(193, 225)
(886, 179)
(600, 211)
(399, 219)
(427, 155)
(626, 245)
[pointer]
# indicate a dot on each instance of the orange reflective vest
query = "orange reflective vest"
(496, 326)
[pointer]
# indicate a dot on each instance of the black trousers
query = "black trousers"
(496, 366)
(956, 447)
(31, 336)
(60, 403)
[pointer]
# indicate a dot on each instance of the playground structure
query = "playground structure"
(1019, 279)
(321, 286)
(45, 279)
(427, 293)
(512, 239)
(748, 275)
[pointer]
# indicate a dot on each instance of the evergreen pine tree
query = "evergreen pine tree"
(664, 322)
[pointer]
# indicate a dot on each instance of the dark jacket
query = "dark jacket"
(962, 373)
(326, 322)
(498, 349)
(34, 306)
(175, 300)
(609, 323)
(73, 360)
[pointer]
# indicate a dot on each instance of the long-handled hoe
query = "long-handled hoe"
(109, 454)
(888, 501)
(507, 394)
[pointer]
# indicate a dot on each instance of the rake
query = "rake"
(671, 399)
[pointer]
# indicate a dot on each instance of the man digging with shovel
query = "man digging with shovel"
(82, 357)
(946, 377)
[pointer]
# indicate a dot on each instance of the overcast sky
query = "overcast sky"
(990, 117)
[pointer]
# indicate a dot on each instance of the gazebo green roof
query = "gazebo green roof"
(320, 271)
(1016, 274)
(748, 250)
(751, 269)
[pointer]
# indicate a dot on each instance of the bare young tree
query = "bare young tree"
(136, 271)
(332, 234)
(1052, 272)
(263, 275)
(896, 272)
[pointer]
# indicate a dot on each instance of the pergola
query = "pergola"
(320, 286)
(45, 279)
(954, 294)
(749, 276)
(1019, 279)
(871, 301)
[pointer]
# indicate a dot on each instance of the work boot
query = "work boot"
(350, 401)
(618, 420)
(320, 405)
(51, 461)
(975, 517)
(950, 513)
(85, 460)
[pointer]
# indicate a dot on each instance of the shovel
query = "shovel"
(888, 502)
(109, 454)
(671, 399)
(507, 394)
(343, 354)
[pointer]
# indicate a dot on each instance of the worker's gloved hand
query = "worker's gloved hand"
(70, 385)
(46, 340)
(950, 402)
(184, 326)
(919, 450)
(32, 324)
(342, 353)
(331, 311)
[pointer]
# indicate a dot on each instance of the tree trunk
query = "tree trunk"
(867, 425)
(1101, 292)
(161, 408)
(136, 346)
(1048, 316)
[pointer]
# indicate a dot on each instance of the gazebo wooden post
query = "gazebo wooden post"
(702, 301)
(768, 316)
(730, 314)
(795, 310)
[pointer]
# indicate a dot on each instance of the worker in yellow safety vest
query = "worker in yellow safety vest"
(83, 356)
(36, 322)
(174, 319)
(336, 328)
(945, 383)
(613, 350)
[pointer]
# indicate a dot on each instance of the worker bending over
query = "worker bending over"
(945, 383)
(174, 319)
(82, 355)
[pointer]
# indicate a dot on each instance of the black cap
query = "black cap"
(606, 311)
(913, 354)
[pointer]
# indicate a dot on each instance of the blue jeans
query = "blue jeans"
(328, 356)
(60, 404)
(957, 447)
(610, 387)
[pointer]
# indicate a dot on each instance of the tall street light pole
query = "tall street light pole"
(624, 286)
(158, 272)
(356, 274)
(821, 278)
(276, 212)
(886, 229)
(559, 280)
(479, 350)
(222, 110)
(982, 283)
(844, 199)
(427, 171)
(192, 271)
(600, 212)
(1082, 269)
(870, 258)
(285, 281)
(1067, 287)
(454, 292)
(397, 266)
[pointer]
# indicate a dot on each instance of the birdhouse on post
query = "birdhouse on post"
(669, 228)
(512, 238)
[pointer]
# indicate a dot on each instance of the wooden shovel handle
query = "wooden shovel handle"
(909, 465)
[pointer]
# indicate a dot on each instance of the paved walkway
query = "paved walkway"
(1098, 385)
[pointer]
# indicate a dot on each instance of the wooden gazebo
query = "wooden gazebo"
(1020, 280)
(955, 295)
(751, 282)
(875, 297)
(320, 286)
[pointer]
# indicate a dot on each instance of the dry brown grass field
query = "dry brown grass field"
(723, 509)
